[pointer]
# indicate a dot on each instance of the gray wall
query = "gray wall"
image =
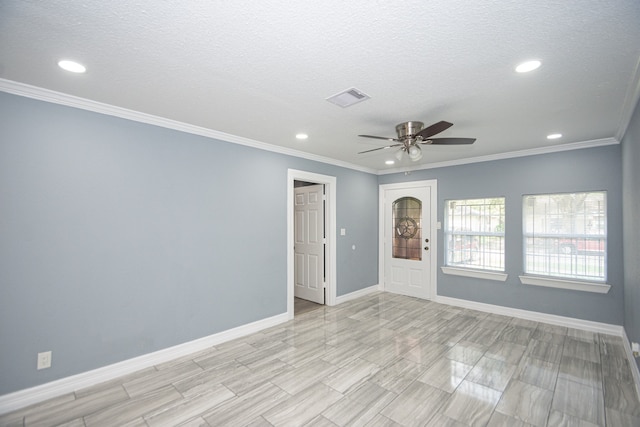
(631, 203)
(119, 238)
(572, 171)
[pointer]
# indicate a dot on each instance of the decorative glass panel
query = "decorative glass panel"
(407, 230)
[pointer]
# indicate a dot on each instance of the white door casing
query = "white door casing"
(414, 277)
(309, 243)
(330, 183)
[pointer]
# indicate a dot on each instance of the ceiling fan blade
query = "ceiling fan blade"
(449, 141)
(434, 129)
(379, 137)
(380, 148)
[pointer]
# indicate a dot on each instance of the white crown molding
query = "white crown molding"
(46, 95)
(569, 322)
(22, 398)
(508, 155)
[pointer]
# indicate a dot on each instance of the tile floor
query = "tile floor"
(381, 360)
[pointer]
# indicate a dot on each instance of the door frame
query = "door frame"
(330, 183)
(433, 246)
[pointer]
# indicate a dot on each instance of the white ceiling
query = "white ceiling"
(262, 70)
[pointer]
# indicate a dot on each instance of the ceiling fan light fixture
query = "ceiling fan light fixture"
(415, 153)
(398, 154)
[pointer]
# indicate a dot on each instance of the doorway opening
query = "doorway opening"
(325, 267)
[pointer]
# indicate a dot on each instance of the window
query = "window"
(474, 233)
(565, 235)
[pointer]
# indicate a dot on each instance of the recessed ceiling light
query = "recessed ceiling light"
(554, 136)
(302, 136)
(525, 67)
(389, 162)
(72, 66)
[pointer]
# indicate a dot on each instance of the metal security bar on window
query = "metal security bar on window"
(565, 235)
(474, 233)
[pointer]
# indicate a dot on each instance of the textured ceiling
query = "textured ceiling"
(262, 69)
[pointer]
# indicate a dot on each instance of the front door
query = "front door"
(408, 246)
(309, 243)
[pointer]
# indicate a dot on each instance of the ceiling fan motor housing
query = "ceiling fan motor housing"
(408, 129)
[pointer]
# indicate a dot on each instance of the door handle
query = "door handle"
(426, 248)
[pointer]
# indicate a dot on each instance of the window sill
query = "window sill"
(477, 274)
(600, 288)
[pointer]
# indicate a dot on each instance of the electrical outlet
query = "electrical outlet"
(44, 360)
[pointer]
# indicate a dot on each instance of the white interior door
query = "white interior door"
(409, 252)
(309, 243)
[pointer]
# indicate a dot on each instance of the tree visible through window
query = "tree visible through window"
(565, 235)
(474, 233)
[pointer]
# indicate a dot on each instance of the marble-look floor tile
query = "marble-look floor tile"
(515, 334)
(70, 410)
(441, 420)
(581, 371)
(303, 407)
(398, 375)
(379, 360)
(426, 352)
(416, 405)
(242, 384)
(445, 374)
(507, 352)
(178, 412)
(580, 401)
(617, 418)
(526, 402)
(360, 406)
(492, 373)
(472, 404)
(465, 352)
(298, 379)
(582, 350)
(482, 336)
(561, 419)
(158, 379)
(547, 336)
(545, 351)
(132, 409)
(621, 397)
(351, 375)
(537, 372)
(241, 410)
(382, 421)
(501, 420)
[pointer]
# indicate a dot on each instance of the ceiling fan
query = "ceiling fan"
(411, 135)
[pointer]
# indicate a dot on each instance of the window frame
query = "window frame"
(567, 281)
(475, 271)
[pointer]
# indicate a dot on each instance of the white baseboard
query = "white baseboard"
(22, 398)
(357, 294)
(535, 316)
(632, 362)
